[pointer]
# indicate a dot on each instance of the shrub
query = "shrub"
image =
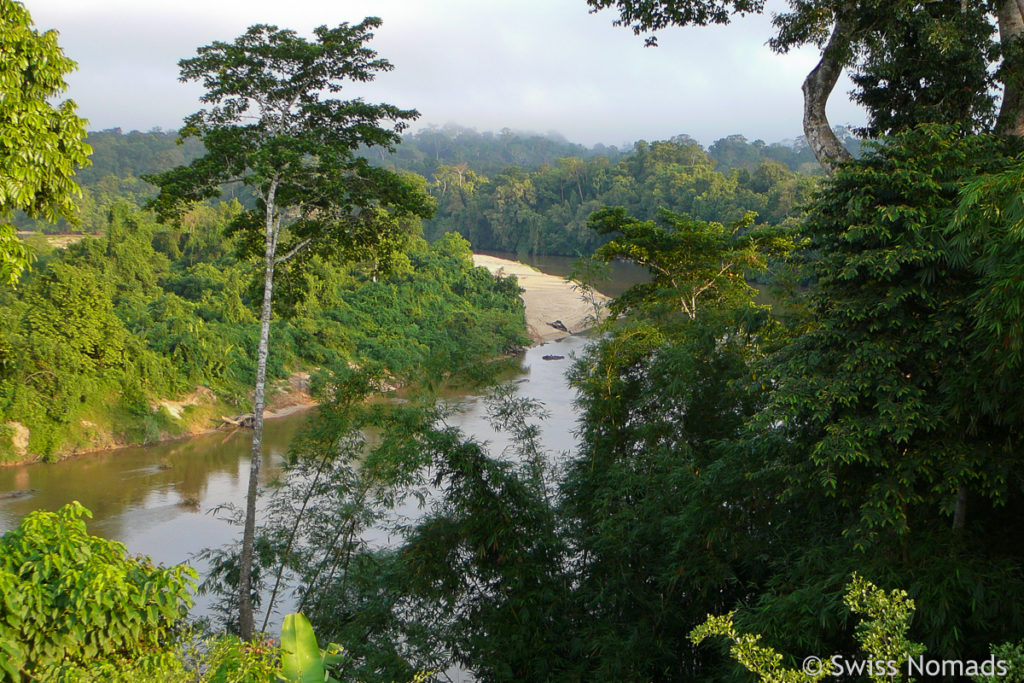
(71, 600)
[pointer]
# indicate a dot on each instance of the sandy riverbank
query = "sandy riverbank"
(548, 299)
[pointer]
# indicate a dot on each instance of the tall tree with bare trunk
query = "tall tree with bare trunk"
(1010, 16)
(271, 124)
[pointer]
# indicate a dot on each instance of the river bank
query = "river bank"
(162, 501)
(555, 308)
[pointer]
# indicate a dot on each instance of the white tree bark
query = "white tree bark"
(817, 87)
(1010, 14)
(246, 620)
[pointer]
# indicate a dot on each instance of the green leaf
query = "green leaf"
(301, 660)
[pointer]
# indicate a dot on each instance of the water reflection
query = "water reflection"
(158, 499)
(153, 498)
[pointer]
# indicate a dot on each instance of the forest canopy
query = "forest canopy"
(510, 192)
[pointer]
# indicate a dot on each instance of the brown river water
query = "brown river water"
(159, 500)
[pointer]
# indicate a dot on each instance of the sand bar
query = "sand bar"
(548, 299)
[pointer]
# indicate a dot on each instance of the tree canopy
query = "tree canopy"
(269, 127)
(912, 63)
(41, 144)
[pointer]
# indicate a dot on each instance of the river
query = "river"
(157, 499)
(160, 500)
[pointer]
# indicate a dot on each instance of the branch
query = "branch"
(713, 280)
(817, 87)
(295, 250)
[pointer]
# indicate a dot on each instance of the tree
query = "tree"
(885, 420)
(881, 633)
(931, 65)
(41, 144)
(691, 262)
(73, 600)
(844, 30)
(269, 126)
(649, 498)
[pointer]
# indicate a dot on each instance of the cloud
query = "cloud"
(528, 64)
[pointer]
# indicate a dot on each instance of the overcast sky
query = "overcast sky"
(534, 65)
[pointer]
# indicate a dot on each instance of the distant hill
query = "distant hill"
(485, 153)
(133, 154)
(119, 159)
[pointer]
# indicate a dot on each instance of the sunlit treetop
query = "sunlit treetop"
(41, 144)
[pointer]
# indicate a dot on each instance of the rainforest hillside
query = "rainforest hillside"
(510, 192)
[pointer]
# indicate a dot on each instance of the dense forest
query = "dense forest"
(827, 486)
(150, 314)
(508, 192)
(546, 211)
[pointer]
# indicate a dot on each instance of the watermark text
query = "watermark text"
(838, 665)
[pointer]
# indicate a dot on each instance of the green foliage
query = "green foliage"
(302, 660)
(931, 64)
(117, 164)
(761, 660)
(150, 312)
(40, 143)
(353, 464)
(294, 150)
(644, 16)
(985, 236)
(479, 556)
(735, 151)
(15, 256)
(649, 496)
(76, 608)
(269, 126)
(229, 659)
(881, 634)
(729, 463)
(524, 572)
(1013, 655)
(510, 580)
(117, 154)
(459, 163)
(481, 570)
(460, 154)
(885, 422)
(547, 210)
(651, 499)
(693, 264)
(892, 319)
(477, 581)
(297, 658)
(71, 600)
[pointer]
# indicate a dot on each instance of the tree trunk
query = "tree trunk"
(1010, 14)
(245, 612)
(817, 87)
(960, 511)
